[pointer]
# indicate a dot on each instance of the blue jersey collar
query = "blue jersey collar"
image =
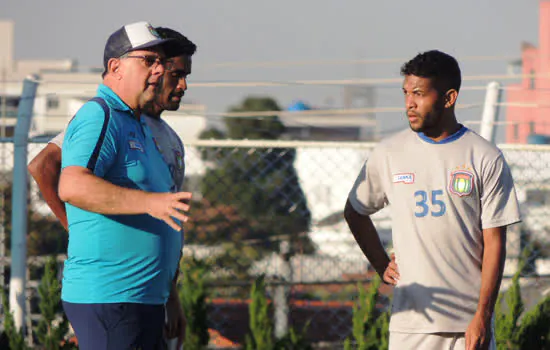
(448, 139)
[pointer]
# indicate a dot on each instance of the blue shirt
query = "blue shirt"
(117, 258)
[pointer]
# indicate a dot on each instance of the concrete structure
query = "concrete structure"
(530, 106)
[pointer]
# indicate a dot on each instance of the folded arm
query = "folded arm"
(45, 168)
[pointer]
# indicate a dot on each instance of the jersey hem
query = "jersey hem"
(500, 223)
(114, 301)
(429, 330)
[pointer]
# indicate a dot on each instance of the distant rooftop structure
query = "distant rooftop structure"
(528, 109)
(327, 126)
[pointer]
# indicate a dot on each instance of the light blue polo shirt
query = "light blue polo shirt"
(117, 258)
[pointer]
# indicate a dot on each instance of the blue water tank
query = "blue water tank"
(537, 139)
(298, 106)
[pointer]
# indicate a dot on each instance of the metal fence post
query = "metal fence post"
(19, 202)
(490, 112)
(280, 297)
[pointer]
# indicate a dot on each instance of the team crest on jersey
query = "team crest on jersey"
(405, 178)
(179, 159)
(462, 183)
(135, 145)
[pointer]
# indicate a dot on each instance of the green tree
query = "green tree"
(506, 320)
(261, 327)
(193, 300)
(251, 194)
(294, 340)
(370, 328)
(45, 235)
(515, 329)
(50, 335)
(15, 337)
(534, 330)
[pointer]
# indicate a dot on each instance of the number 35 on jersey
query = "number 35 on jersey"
(433, 202)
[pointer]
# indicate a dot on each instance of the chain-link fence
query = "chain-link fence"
(276, 208)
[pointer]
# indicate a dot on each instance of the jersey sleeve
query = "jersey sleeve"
(58, 139)
(499, 204)
(367, 195)
(90, 140)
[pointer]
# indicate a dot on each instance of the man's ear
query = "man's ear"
(450, 98)
(114, 68)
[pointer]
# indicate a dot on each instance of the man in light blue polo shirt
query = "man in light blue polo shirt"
(124, 223)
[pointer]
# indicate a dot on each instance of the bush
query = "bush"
(370, 327)
(16, 339)
(261, 327)
(193, 301)
(50, 335)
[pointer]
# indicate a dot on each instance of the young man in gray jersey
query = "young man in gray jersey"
(452, 196)
(45, 168)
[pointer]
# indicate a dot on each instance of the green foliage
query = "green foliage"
(255, 128)
(506, 321)
(261, 328)
(534, 330)
(516, 331)
(193, 299)
(370, 328)
(294, 340)
(45, 235)
(50, 335)
(15, 337)
(380, 333)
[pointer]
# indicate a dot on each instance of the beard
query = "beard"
(429, 122)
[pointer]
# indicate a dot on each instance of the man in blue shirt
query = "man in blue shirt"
(124, 223)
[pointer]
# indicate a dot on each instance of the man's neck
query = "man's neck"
(448, 128)
(153, 110)
(115, 85)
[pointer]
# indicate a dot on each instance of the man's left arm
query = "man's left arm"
(478, 335)
(499, 209)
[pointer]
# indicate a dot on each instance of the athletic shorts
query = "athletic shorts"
(117, 326)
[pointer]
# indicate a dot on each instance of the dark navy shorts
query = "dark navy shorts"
(120, 326)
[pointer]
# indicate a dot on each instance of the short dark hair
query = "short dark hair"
(185, 46)
(438, 66)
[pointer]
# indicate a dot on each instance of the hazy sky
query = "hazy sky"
(284, 30)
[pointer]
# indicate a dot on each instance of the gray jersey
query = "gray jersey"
(168, 143)
(170, 146)
(442, 196)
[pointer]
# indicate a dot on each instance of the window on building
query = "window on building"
(53, 103)
(516, 131)
(532, 127)
(12, 102)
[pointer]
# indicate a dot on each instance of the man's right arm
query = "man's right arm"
(366, 236)
(45, 169)
(81, 188)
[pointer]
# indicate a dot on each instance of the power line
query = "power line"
(266, 64)
(313, 112)
(342, 62)
(326, 82)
